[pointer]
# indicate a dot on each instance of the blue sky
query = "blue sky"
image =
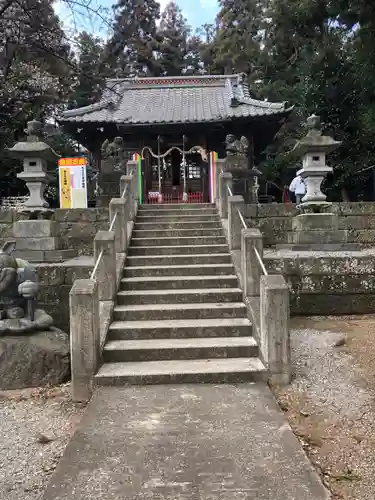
(197, 12)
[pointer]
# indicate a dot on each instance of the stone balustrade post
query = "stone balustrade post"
(274, 340)
(225, 180)
(84, 337)
(219, 165)
(250, 268)
(119, 206)
(132, 169)
(235, 226)
(105, 275)
(127, 180)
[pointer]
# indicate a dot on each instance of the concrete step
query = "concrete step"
(182, 240)
(172, 260)
(180, 328)
(186, 296)
(175, 206)
(231, 370)
(179, 270)
(179, 311)
(183, 348)
(173, 233)
(178, 282)
(177, 217)
(199, 224)
(176, 250)
(176, 213)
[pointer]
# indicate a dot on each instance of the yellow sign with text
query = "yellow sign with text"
(65, 188)
(73, 182)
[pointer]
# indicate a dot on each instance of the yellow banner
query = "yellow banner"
(65, 188)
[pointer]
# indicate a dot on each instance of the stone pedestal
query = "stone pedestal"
(243, 177)
(317, 232)
(38, 241)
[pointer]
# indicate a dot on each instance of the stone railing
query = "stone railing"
(266, 296)
(91, 300)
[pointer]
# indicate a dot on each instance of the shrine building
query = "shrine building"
(185, 113)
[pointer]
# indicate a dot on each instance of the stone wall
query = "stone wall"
(327, 284)
(7, 217)
(275, 221)
(56, 280)
(79, 226)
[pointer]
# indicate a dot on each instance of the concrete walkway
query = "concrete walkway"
(187, 442)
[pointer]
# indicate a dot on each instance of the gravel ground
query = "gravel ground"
(330, 404)
(35, 427)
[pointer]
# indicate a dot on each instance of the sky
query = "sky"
(197, 12)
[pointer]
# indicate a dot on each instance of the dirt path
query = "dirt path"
(35, 427)
(330, 404)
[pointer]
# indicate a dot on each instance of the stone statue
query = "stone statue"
(235, 147)
(314, 126)
(19, 288)
(114, 149)
(114, 152)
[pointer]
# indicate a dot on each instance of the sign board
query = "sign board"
(73, 182)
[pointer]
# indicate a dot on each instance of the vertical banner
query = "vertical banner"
(138, 158)
(65, 187)
(73, 182)
(213, 173)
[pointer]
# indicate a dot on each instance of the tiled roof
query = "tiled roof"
(208, 98)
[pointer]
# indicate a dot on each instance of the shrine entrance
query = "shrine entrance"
(175, 176)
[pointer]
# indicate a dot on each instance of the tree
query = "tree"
(134, 41)
(174, 47)
(91, 70)
(239, 36)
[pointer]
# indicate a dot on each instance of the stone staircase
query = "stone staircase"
(179, 315)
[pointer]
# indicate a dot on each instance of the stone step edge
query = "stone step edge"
(150, 279)
(182, 266)
(179, 323)
(174, 367)
(178, 291)
(180, 256)
(218, 222)
(145, 206)
(172, 307)
(148, 238)
(184, 343)
(155, 247)
(207, 229)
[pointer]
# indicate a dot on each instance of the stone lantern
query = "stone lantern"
(313, 149)
(37, 238)
(34, 153)
(316, 227)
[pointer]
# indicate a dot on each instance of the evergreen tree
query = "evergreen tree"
(239, 36)
(91, 70)
(134, 41)
(174, 48)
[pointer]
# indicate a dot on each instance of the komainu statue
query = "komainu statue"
(19, 288)
(235, 147)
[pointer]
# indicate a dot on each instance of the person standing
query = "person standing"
(298, 187)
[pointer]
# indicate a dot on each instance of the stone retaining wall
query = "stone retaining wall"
(337, 283)
(76, 227)
(56, 280)
(275, 221)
